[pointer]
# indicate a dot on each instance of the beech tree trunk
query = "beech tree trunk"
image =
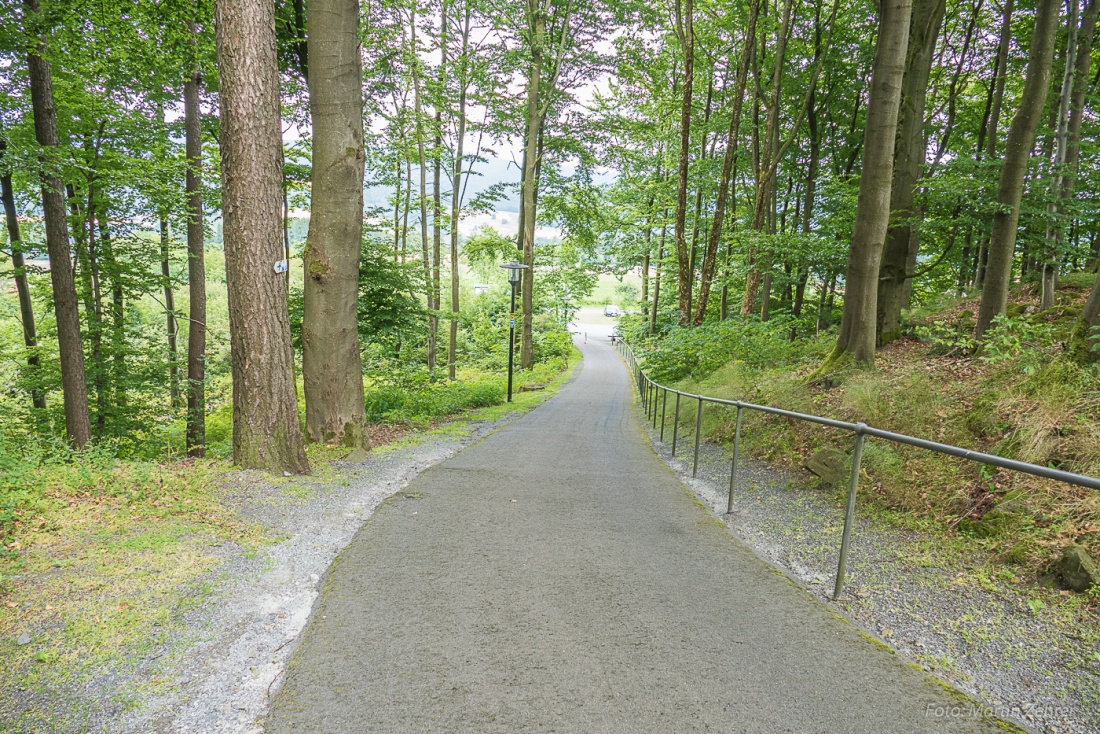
(530, 162)
(22, 288)
(686, 31)
(765, 184)
(75, 390)
(1074, 87)
(332, 368)
(1083, 339)
(857, 325)
(1018, 147)
(899, 257)
(423, 164)
(456, 193)
(437, 210)
(196, 271)
(170, 316)
(710, 257)
(266, 431)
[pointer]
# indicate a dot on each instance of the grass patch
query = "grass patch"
(102, 560)
(1019, 398)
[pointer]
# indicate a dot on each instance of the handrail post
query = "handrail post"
(733, 466)
(698, 429)
(655, 401)
(849, 516)
(664, 405)
(676, 423)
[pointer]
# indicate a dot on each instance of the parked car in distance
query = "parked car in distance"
(611, 310)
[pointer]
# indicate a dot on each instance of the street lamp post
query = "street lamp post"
(514, 273)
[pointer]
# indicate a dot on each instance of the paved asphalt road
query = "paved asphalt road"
(556, 577)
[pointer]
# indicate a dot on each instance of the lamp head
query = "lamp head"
(514, 268)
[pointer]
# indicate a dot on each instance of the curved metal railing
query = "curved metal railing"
(652, 393)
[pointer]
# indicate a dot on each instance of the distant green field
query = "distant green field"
(609, 289)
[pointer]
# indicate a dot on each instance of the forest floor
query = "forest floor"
(126, 610)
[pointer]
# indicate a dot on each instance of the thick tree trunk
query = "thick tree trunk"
(266, 431)
(22, 288)
(857, 325)
(716, 225)
(77, 423)
(903, 239)
(332, 368)
(196, 272)
(683, 257)
(1018, 147)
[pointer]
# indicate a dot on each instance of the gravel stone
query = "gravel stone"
(989, 644)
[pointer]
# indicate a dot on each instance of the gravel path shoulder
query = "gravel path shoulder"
(241, 637)
(987, 642)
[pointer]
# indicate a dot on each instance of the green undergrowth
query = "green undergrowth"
(102, 557)
(1017, 396)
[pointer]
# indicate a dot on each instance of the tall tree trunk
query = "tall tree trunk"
(657, 274)
(170, 316)
(456, 193)
(765, 183)
(1084, 340)
(686, 32)
(530, 162)
(22, 288)
(1018, 147)
(423, 164)
(266, 431)
(902, 238)
(437, 210)
(711, 255)
(989, 133)
(196, 270)
(1074, 87)
(332, 368)
(77, 423)
(82, 223)
(857, 327)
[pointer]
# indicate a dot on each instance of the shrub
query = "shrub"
(700, 351)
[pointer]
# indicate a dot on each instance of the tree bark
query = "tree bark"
(686, 32)
(1074, 88)
(75, 391)
(196, 270)
(1018, 147)
(899, 256)
(657, 273)
(423, 165)
(530, 160)
(332, 368)
(857, 326)
(266, 431)
(765, 184)
(711, 255)
(22, 288)
(456, 193)
(437, 210)
(170, 316)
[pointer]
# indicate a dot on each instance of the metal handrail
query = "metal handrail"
(648, 389)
